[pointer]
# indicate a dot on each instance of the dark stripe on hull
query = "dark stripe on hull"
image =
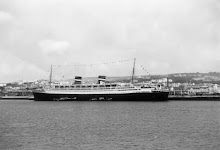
(157, 96)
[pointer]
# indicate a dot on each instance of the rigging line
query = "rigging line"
(143, 68)
(68, 71)
(100, 63)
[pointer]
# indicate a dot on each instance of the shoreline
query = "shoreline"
(170, 98)
(17, 97)
(194, 97)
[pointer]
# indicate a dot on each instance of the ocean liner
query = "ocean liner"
(100, 91)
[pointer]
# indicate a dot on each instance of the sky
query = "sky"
(165, 36)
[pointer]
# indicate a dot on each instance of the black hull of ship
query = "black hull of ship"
(154, 96)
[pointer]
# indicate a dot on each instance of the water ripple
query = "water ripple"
(29, 125)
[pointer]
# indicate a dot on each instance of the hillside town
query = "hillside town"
(178, 84)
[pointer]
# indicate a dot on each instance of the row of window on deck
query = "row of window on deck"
(106, 86)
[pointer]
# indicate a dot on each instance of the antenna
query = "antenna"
(50, 80)
(133, 71)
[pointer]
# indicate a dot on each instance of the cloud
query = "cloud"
(52, 46)
(13, 68)
(5, 16)
(165, 35)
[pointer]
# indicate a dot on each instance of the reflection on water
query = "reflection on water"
(29, 125)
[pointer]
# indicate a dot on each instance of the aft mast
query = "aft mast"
(50, 80)
(133, 71)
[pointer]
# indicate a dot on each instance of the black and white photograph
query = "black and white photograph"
(109, 74)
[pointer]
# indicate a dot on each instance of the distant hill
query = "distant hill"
(210, 77)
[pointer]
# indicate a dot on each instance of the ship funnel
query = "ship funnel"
(101, 79)
(78, 80)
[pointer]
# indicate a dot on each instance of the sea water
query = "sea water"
(180, 125)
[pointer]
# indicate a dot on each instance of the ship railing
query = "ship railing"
(96, 88)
